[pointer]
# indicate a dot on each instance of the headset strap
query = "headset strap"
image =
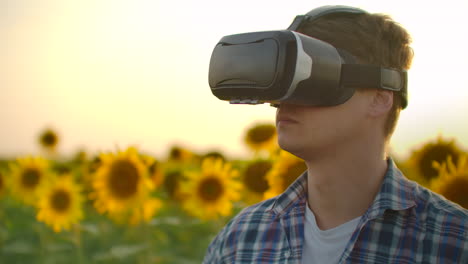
(372, 76)
(323, 11)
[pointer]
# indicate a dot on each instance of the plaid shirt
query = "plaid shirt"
(406, 223)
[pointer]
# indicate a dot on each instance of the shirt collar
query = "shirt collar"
(295, 193)
(396, 193)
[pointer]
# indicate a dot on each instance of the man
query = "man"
(352, 205)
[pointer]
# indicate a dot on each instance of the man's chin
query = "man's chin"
(300, 150)
(289, 147)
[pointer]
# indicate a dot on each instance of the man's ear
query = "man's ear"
(382, 102)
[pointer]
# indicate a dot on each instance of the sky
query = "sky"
(108, 74)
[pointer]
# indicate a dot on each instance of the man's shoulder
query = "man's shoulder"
(430, 207)
(242, 232)
(439, 213)
(251, 217)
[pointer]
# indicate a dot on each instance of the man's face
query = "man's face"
(309, 130)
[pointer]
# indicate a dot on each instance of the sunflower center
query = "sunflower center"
(62, 169)
(254, 178)
(438, 153)
(49, 139)
(455, 190)
(292, 173)
(210, 189)
(30, 178)
(153, 168)
(261, 133)
(60, 200)
(94, 165)
(123, 179)
(175, 153)
(171, 183)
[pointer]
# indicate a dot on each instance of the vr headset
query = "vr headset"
(287, 66)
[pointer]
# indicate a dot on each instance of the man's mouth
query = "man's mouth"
(286, 120)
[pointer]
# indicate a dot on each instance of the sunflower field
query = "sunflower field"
(130, 207)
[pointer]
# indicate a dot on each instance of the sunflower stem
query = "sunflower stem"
(144, 231)
(43, 241)
(78, 245)
(2, 222)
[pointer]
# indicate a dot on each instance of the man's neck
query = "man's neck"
(343, 185)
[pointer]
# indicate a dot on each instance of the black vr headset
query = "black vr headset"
(287, 66)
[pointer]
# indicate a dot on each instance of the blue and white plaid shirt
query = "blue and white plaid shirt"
(406, 223)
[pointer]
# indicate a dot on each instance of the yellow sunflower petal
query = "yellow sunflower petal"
(283, 173)
(453, 181)
(3, 184)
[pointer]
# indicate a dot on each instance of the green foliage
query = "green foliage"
(171, 237)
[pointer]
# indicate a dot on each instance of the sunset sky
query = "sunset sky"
(107, 74)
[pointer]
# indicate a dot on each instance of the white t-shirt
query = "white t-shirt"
(325, 246)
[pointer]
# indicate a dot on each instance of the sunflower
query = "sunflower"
(261, 137)
(3, 186)
(121, 186)
(60, 204)
(254, 179)
(155, 169)
(62, 168)
(28, 175)
(80, 157)
(146, 211)
(284, 172)
(142, 213)
(49, 139)
(172, 182)
(210, 193)
(179, 154)
(453, 180)
(94, 165)
(421, 160)
(214, 154)
(88, 172)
